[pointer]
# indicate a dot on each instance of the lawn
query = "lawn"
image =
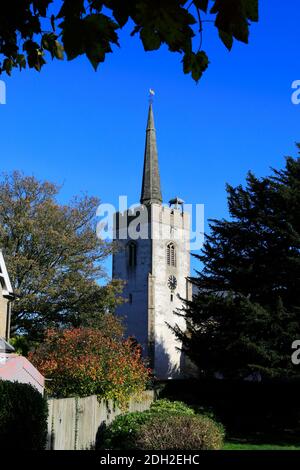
(249, 446)
(287, 439)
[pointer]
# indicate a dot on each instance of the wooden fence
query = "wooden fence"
(73, 423)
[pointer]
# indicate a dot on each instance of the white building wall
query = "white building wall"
(169, 224)
(151, 309)
(135, 314)
(3, 314)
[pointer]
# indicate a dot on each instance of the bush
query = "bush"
(123, 431)
(23, 417)
(179, 432)
(167, 406)
(85, 361)
(130, 430)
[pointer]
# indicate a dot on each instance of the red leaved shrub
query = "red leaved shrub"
(85, 361)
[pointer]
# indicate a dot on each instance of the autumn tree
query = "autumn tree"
(29, 29)
(245, 314)
(86, 361)
(54, 257)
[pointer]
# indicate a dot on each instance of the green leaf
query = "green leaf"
(99, 34)
(151, 40)
(48, 41)
(92, 35)
(165, 22)
(41, 6)
(35, 55)
(21, 61)
(231, 19)
(226, 38)
(251, 9)
(71, 9)
(52, 19)
(241, 30)
(195, 64)
(86, 30)
(72, 37)
(121, 10)
(202, 4)
(96, 55)
(51, 44)
(59, 50)
(7, 66)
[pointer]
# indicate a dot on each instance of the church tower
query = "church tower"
(153, 258)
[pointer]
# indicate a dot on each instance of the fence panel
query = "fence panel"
(73, 422)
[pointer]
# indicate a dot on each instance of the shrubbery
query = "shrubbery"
(179, 432)
(23, 417)
(122, 433)
(167, 406)
(166, 425)
(85, 361)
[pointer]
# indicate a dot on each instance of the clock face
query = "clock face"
(172, 282)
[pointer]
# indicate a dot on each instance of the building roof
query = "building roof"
(18, 369)
(5, 347)
(151, 191)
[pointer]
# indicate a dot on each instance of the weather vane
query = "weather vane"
(151, 95)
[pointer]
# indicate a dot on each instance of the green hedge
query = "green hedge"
(122, 433)
(167, 406)
(180, 432)
(133, 430)
(23, 417)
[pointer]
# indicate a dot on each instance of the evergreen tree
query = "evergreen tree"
(246, 312)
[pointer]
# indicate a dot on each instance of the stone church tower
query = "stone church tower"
(154, 261)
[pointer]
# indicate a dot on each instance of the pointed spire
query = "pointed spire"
(151, 192)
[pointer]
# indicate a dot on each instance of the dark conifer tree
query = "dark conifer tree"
(246, 312)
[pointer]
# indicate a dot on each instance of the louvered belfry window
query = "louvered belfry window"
(171, 254)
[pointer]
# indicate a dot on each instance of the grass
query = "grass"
(249, 446)
(264, 441)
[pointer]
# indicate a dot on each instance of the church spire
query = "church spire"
(151, 192)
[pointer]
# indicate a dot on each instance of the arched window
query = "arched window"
(171, 254)
(132, 254)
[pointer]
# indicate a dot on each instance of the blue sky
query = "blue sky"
(86, 130)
